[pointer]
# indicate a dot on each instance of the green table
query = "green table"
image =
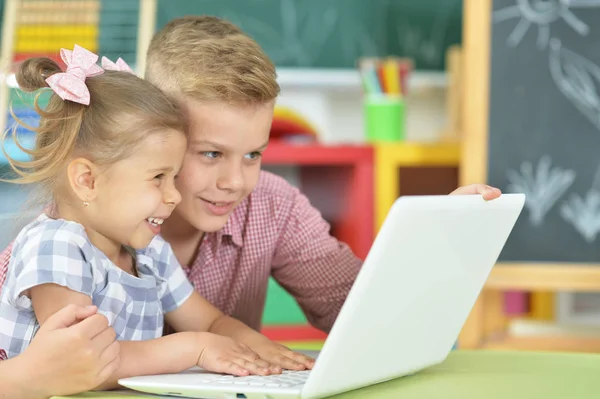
(481, 375)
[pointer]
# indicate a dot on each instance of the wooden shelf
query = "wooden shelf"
(544, 277)
(543, 343)
(419, 154)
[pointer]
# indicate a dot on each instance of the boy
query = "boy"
(237, 225)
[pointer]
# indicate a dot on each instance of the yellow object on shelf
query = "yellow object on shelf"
(392, 156)
(542, 305)
(55, 31)
(53, 45)
(64, 6)
(75, 18)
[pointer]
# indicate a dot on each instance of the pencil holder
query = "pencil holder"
(384, 118)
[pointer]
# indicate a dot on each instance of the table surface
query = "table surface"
(478, 374)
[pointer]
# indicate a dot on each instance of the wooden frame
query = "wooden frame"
(6, 54)
(146, 26)
(487, 319)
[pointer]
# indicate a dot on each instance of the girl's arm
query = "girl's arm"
(170, 354)
(197, 314)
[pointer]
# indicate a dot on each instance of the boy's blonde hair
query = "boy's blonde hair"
(209, 59)
(124, 109)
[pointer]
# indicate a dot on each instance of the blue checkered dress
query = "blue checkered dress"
(59, 252)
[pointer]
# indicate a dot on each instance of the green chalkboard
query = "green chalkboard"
(334, 33)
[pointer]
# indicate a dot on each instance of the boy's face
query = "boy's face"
(222, 163)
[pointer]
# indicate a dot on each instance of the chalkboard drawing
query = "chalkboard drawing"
(584, 213)
(424, 42)
(582, 3)
(542, 188)
(577, 79)
(305, 32)
(542, 13)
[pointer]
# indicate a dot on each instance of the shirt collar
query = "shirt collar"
(234, 225)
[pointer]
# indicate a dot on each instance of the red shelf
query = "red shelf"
(293, 333)
(316, 154)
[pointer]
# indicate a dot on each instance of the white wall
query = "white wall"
(332, 100)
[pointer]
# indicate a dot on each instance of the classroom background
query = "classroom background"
(383, 98)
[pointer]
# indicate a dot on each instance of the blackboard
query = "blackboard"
(334, 33)
(544, 125)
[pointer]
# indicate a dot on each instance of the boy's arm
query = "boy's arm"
(13, 381)
(316, 268)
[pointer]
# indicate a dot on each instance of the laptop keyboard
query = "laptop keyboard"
(287, 379)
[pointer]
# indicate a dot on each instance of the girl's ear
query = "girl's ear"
(83, 176)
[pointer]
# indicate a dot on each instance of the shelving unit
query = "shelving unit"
(391, 159)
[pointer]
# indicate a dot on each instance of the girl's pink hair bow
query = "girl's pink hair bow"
(120, 65)
(70, 85)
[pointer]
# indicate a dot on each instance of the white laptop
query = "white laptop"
(417, 286)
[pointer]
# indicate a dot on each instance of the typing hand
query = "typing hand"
(224, 355)
(280, 356)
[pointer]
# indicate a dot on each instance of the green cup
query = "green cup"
(384, 118)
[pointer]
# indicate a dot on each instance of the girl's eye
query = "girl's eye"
(160, 176)
(254, 155)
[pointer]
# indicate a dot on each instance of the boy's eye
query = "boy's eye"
(159, 176)
(211, 154)
(254, 155)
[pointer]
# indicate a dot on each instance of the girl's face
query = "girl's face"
(137, 194)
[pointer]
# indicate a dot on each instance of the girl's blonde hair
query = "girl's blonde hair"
(124, 109)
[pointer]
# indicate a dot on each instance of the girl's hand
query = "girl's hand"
(280, 356)
(224, 355)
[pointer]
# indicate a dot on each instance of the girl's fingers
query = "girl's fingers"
(308, 362)
(231, 367)
(286, 362)
(253, 357)
(252, 367)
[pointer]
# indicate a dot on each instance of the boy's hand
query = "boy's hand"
(222, 354)
(74, 351)
(487, 192)
(280, 356)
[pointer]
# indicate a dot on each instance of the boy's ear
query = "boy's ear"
(83, 175)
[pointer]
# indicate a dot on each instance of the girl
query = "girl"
(107, 151)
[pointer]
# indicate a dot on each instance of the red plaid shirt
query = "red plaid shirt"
(274, 232)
